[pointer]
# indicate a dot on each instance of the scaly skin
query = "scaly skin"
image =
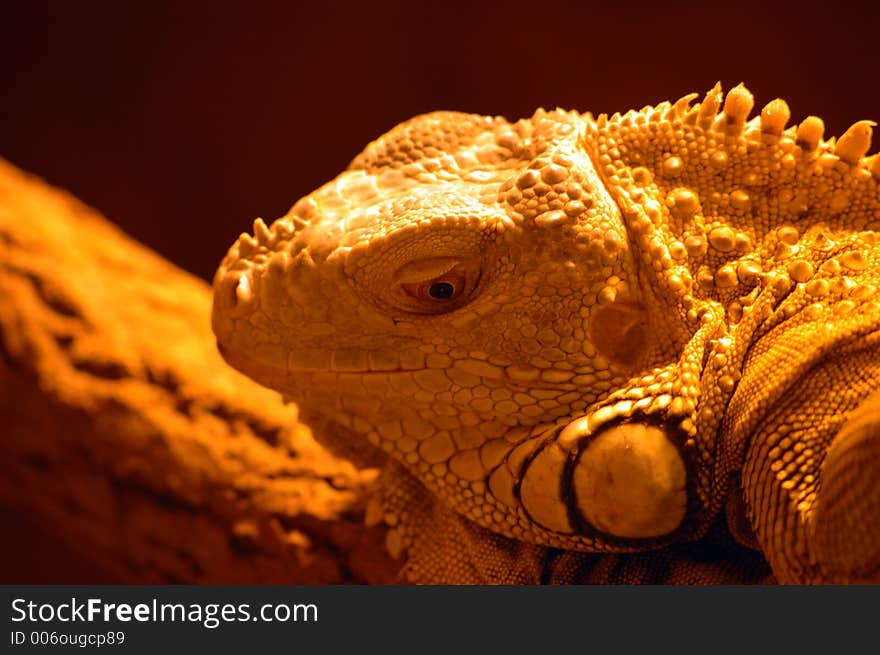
(587, 334)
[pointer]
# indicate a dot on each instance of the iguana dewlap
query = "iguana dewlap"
(587, 334)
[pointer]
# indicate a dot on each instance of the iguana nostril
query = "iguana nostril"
(244, 293)
(235, 293)
(230, 295)
(630, 482)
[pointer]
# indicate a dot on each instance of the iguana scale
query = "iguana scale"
(576, 334)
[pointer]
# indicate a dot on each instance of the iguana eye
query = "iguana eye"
(439, 290)
(436, 285)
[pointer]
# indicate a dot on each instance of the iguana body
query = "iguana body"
(571, 334)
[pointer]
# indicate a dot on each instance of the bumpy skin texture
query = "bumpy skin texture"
(576, 334)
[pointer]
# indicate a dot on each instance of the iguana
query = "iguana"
(577, 334)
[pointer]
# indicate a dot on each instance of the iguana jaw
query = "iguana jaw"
(628, 482)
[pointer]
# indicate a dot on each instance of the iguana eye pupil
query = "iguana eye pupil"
(441, 290)
(437, 294)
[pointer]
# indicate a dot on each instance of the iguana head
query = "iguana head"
(516, 313)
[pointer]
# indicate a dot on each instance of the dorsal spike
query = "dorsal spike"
(774, 117)
(683, 104)
(659, 112)
(855, 142)
(709, 106)
(809, 133)
(737, 105)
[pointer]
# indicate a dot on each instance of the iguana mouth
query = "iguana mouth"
(278, 363)
(304, 363)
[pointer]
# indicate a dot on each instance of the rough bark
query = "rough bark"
(123, 431)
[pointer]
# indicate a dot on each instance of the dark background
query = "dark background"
(182, 123)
